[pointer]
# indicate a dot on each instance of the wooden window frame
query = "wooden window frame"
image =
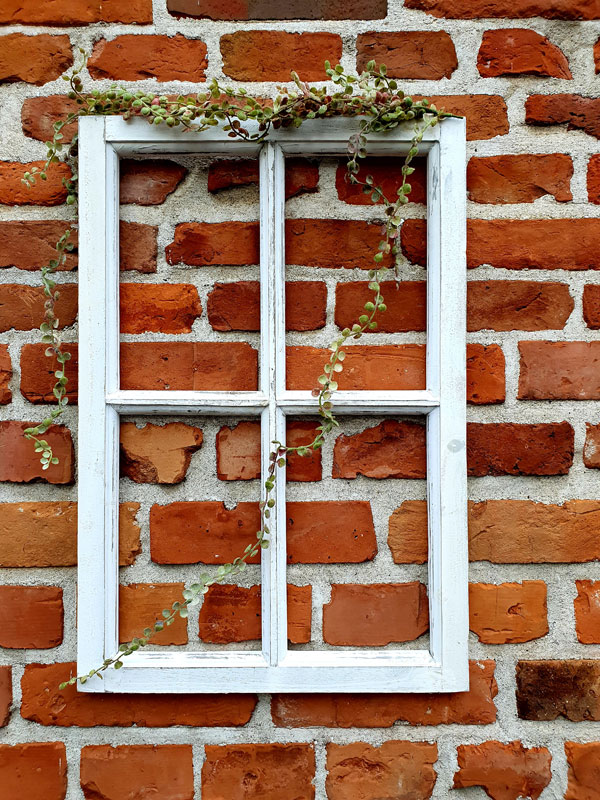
(442, 668)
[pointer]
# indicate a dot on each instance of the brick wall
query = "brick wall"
(524, 75)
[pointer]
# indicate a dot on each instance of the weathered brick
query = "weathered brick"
(43, 702)
(241, 771)
(34, 59)
(584, 770)
(37, 373)
(232, 613)
(332, 243)
(273, 9)
(75, 12)
(505, 771)
(30, 244)
(6, 696)
(474, 707)
(33, 617)
(406, 303)
(34, 770)
(22, 307)
(158, 307)
(236, 306)
(485, 374)
(591, 448)
(559, 370)
(45, 534)
(195, 366)
(238, 452)
(520, 51)
(519, 449)
(417, 55)
(141, 604)
(150, 181)
(391, 449)
(587, 611)
(580, 113)
(591, 305)
(593, 179)
(486, 114)
(547, 690)
(519, 179)
(5, 375)
(38, 115)
(201, 244)
(158, 453)
(507, 532)
(512, 9)
(518, 305)
(388, 366)
(137, 770)
(329, 532)
(50, 192)
(135, 57)
(387, 174)
(360, 771)
(372, 615)
(19, 463)
(271, 55)
(301, 175)
(508, 613)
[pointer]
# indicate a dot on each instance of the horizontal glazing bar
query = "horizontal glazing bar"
(361, 402)
(228, 403)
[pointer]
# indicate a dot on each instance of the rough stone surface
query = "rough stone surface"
(518, 51)
(504, 771)
(559, 371)
(136, 57)
(547, 690)
(518, 305)
(587, 611)
(508, 613)
(425, 55)
(34, 59)
(389, 450)
(140, 605)
(519, 179)
(158, 453)
(34, 770)
(584, 770)
(33, 617)
(158, 307)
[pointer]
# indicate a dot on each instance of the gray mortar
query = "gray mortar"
(576, 39)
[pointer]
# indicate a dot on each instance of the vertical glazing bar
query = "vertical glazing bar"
(272, 359)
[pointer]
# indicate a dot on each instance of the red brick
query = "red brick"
(504, 771)
(5, 375)
(485, 374)
(519, 449)
(43, 702)
(273, 9)
(271, 55)
(236, 306)
(33, 617)
(486, 114)
(406, 305)
(245, 771)
(20, 464)
(238, 452)
(519, 179)
(593, 179)
(330, 532)
(158, 453)
(513, 9)
(413, 55)
(158, 307)
(474, 707)
(148, 182)
(360, 771)
(506, 532)
(22, 307)
(195, 366)
(332, 243)
(44, 193)
(30, 244)
(135, 57)
(584, 770)
(391, 449)
(597, 56)
(383, 367)
(224, 243)
(140, 604)
(137, 246)
(587, 611)
(386, 173)
(581, 113)
(374, 615)
(559, 371)
(45, 534)
(508, 613)
(138, 770)
(6, 696)
(34, 59)
(37, 373)
(34, 770)
(301, 175)
(520, 51)
(518, 305)
(591, 448)
(39, 114)
(232, 613)
(591, 305)
(75, 12)
(547, 690)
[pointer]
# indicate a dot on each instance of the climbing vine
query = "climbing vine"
(381, 106)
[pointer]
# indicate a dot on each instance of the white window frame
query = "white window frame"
(442, 668)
